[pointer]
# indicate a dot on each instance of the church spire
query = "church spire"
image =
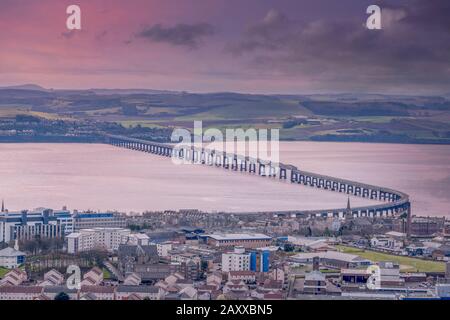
(3, 205)
(348, 213)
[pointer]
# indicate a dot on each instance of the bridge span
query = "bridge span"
(392, 202)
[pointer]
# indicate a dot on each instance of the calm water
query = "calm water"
(102, 177)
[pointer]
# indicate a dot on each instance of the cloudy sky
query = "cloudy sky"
(263, 46)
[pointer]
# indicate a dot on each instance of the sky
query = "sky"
(254, 46)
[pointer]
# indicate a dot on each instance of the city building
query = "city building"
(238, 260)
(442, 253)
(20, 292)
(65, 219)
(390, 275)
(91, 220)
(245, 240)
(427, 226)
(103, 238)
(354, 277)
(123, 292)
(260, 261)
(387, 243)
(11, 258)
(52, 291)
(333, 259)
(14, 277)
(29, 225)
(141, 260)
(52, 278)
(93, 277)
(315, 283)
(96, 292)
(164, 248)
(132, 279)
(246, 276)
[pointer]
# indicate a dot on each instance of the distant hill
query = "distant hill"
(131, 91)
(317, 117)
(33, 87)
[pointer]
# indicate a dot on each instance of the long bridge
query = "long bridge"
(393, 202)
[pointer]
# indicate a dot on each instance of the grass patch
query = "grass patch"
(3, 271)
(106, 274)
(408, 264)
(13, 112)
(373, 119)
(142, 123)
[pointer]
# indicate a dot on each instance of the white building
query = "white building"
(11, 258)
(164, 248)
(27, 225)
(236, 261)
(247, 240)
(138, 239)
(103, 238)
(385, 242)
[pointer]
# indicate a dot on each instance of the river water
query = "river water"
(103, 177)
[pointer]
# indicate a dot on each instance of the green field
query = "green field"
(106, 274)
(11, 112)
(142, 123)
(3, 271)
(407, 264)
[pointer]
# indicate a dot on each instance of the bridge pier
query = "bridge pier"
(283, 174)
(262, 170)
(234, 164)
(210, 158)
(272, 171)
(243, 166)
(294, 176)
(226, 164)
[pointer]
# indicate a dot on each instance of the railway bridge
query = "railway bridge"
(392, 202)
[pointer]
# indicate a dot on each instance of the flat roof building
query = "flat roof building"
(90, 220)
(26, 225)
(103, 238)
(333, 259)
(254, 240)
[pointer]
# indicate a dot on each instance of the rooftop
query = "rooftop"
(332, 255)
(21, 289)
(97, 289)
(140, 289)
(11, 252)
(238, 236)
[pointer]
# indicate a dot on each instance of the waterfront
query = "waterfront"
(102, 177)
